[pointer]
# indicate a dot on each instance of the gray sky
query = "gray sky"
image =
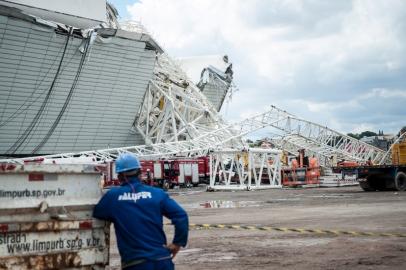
(338, 63)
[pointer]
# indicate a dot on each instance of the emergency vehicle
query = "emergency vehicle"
(168, 173)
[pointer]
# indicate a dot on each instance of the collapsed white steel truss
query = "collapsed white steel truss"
(297, 134)
(293, 143)
(174, 109)
(325, 142)
(176, 119)
(249, 169)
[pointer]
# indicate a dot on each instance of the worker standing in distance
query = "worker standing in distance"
(137, 211)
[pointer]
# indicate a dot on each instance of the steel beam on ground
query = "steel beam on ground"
(246, 169)
(297, 133)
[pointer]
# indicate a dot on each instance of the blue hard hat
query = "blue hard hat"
(127, 162)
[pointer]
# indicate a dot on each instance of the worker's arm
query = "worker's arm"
(102, 208)
(179, 218)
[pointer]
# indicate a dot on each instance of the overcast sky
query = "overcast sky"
(338, 63)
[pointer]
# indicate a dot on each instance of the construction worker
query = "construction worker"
(137, 212)
(313, 162)
(294, 164)
(149, 178)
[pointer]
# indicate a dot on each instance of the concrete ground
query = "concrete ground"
(345, 208)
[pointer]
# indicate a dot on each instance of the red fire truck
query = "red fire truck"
(167, 173)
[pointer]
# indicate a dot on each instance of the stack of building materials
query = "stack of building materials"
(330, 179)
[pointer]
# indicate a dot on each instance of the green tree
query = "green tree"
(355, 136)
(367, 134)
(362, 134)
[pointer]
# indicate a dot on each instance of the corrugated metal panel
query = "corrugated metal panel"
(105, 101)
(215, 92)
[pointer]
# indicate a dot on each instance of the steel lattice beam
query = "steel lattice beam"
(327, 142)
(297, 133)
(245, 169)
(174, 109)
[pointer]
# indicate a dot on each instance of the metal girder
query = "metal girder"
(298, 133)
(293, 143)
(226, 136)
(174, 109)
(321, 141)
(327, 142)
(245, 169)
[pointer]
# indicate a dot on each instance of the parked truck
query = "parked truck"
(381, 177)
(46, 217)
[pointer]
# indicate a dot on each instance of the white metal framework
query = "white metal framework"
(326, 142)
(297, 134)
(220, 138)
(292, 144)
(174, 109)
(245, 169)
(177, 119)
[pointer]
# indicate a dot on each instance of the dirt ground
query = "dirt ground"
(345, 208)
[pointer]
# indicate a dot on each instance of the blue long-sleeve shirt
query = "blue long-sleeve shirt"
(137, 212)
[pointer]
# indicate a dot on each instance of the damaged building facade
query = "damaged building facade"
(67, 89)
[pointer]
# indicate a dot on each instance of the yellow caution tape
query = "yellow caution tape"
(295, 230)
